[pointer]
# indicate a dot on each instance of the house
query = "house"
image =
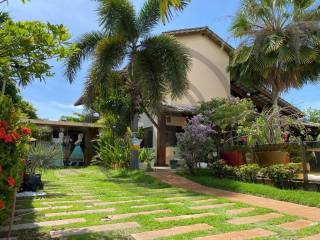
(208, 79)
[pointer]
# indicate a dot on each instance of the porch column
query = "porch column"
(161, 141)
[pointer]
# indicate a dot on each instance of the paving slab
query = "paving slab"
(239, 211)
(183, 217)
(71, 201)
(25, 226)
(156, 204)
(117, 202)
(313, 237)
(254, 219)
(220, 205)
(296, 225)
(205, 201)
(127, 215)
(69, 213)
(310, 213)
(88, 197)
(93, 229)
(41, 209)
(239, 235)
(170, 232)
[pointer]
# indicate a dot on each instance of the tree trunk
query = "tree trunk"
(161, 141)
(134, 152)
(275, 99)
(4, 86)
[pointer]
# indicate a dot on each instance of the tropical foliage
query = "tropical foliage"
(279, 44)
(156, 66)
(25, 48)
(13, 149)
(166, 7)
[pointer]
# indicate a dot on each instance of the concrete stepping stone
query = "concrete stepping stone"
(71, 201)
(254, 219)
(313, 237)
(127, 215)
(296, 225)
(239, 211)
(157, 204)
(183, 217)
(179, 198)
(117, 202)
(205, 201)
(221, 205)
(41, 209)
(170, 231)
(91, 211)
(239, 235)
(25, 226)
(93, 229)
(88, 197)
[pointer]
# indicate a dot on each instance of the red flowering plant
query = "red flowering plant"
(14, 136)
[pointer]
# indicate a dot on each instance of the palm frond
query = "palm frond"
(168, 7)
(164, 64)
(149, 16)
(85, 48)
(118, 17)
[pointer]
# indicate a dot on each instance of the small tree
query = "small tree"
(195, 142)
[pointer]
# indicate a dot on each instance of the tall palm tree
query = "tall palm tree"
(156, 66)
(279, 44)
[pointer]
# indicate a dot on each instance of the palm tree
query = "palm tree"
(166, 7)
(279, 44)
(156, 66)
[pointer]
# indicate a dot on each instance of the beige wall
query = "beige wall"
(208, 76)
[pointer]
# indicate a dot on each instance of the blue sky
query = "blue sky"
(55, 96)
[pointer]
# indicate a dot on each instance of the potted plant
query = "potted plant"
(146, 156)
(41, 156)
(269, 128)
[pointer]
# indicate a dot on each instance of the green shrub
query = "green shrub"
(281, 174)
(221, 169)
(13, 150)
(248, 172)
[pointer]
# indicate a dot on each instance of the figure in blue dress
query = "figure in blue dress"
(76, 156)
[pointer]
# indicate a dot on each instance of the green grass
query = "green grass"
(112, 185)
(295, 196)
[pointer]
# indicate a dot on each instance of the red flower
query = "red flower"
(11, 182)
(8, 138)
(4, 124)
(2, 133)
(26, 131)
(15, 135)
(1, 204)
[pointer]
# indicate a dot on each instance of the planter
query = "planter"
(31, 183)
(173, 164)
(233, 158)
(269, 158)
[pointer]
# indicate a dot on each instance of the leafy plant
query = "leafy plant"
(147, 155)
(222, 170)
(14, 136)
(281, 174)
(248, 172)
(41, 156)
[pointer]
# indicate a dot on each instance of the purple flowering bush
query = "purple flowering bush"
(196, 141)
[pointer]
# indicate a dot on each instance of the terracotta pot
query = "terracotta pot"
(268, 158)
(233, 158)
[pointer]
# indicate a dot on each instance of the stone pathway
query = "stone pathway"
(170, 232)
(310, 213)
(168, 213)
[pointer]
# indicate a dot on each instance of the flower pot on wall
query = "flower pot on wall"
(233, 158)
(268, 158)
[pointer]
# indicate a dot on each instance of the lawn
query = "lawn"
(133, 192)
(308, 198)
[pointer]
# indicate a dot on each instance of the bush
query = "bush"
(221, 169)
(281, 174)
(248, 172)
(13, 150)
(113, 151)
